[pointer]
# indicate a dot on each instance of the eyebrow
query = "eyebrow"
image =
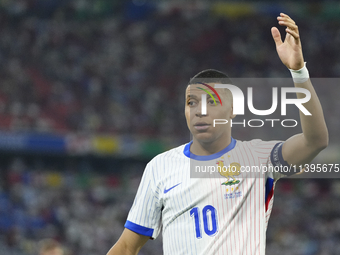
(212, 95)
(195, 97)
(192, 96)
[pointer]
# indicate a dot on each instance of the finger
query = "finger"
(276, 36)
(293, 33)
(289, 24)
(291, 27)
(284, 15)
(285, 19)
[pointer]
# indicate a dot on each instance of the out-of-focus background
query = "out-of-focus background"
(91, 90)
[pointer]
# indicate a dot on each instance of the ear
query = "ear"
(231, 113)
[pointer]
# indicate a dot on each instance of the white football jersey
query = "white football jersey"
(225, 212)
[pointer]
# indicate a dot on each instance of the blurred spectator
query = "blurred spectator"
(50, 247)
(97, 67)
(86, 211)
(119, 75)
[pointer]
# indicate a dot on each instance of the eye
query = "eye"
(191, 103)
(211, 101)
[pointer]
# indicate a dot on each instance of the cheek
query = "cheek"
(222, 113)
(187, 114)
(228, 111)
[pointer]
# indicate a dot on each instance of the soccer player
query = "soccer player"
(228, 214)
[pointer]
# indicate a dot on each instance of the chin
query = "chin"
(204, 137)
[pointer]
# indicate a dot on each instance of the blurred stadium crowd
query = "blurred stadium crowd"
(86, 211)
(127, 73)
(83, 209)
(106, 67)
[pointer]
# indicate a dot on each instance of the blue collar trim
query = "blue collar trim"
(208, 157)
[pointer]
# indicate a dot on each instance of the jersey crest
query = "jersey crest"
(234, 169)
(229, 172)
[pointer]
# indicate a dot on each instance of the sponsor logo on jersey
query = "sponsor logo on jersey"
(167, 190)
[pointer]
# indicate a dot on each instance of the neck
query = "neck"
(201, 148)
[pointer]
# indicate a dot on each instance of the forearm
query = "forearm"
(121, 249)
(314, 127)
(128, 244)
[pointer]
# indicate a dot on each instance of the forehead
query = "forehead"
(197, 89)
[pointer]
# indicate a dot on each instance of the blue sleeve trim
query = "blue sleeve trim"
(277, 159)
(138, 228)
(269, 187)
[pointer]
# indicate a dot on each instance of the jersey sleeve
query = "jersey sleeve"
(266, 153)
(270, 157)
(145, 214)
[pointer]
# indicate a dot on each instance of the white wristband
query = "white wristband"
(301, 75)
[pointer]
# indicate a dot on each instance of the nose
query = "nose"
(201, 109)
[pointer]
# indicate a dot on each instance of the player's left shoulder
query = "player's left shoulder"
(256, 142)
(258, 145)
(261, 143)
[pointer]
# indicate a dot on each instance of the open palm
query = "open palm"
(289, 51)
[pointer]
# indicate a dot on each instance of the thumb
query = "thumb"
(276, 36)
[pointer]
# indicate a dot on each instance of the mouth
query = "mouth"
(201, 126)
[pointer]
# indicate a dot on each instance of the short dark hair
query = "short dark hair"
(213, 76)
(210, 76)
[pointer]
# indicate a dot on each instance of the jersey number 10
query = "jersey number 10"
(210, 223)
